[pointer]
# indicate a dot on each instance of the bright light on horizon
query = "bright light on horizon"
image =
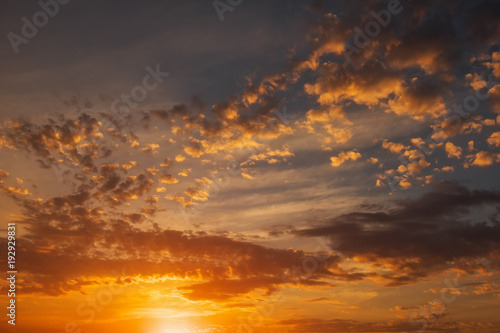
(168, 328)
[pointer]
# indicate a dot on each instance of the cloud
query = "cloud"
(54, 140)
(346, 325)
(494, 139)
(185, 172)
(337, 161)
(270, 156)
(484, 158)
(226, 289)
(395, 148)
(366, 85)
(75, 231)
(452, 150)
(168, 179)
(438, 231)
(431, 46)
(419, 99)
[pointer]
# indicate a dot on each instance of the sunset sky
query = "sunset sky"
(251, 166)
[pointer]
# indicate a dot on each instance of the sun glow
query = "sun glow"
(174, 328)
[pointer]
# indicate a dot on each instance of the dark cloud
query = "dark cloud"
(315, 325)
(483, 27)
(75, 232)
(440, 230)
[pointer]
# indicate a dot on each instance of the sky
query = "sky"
(250, 166)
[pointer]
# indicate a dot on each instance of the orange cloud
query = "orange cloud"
(337, 161)
(452, 150)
